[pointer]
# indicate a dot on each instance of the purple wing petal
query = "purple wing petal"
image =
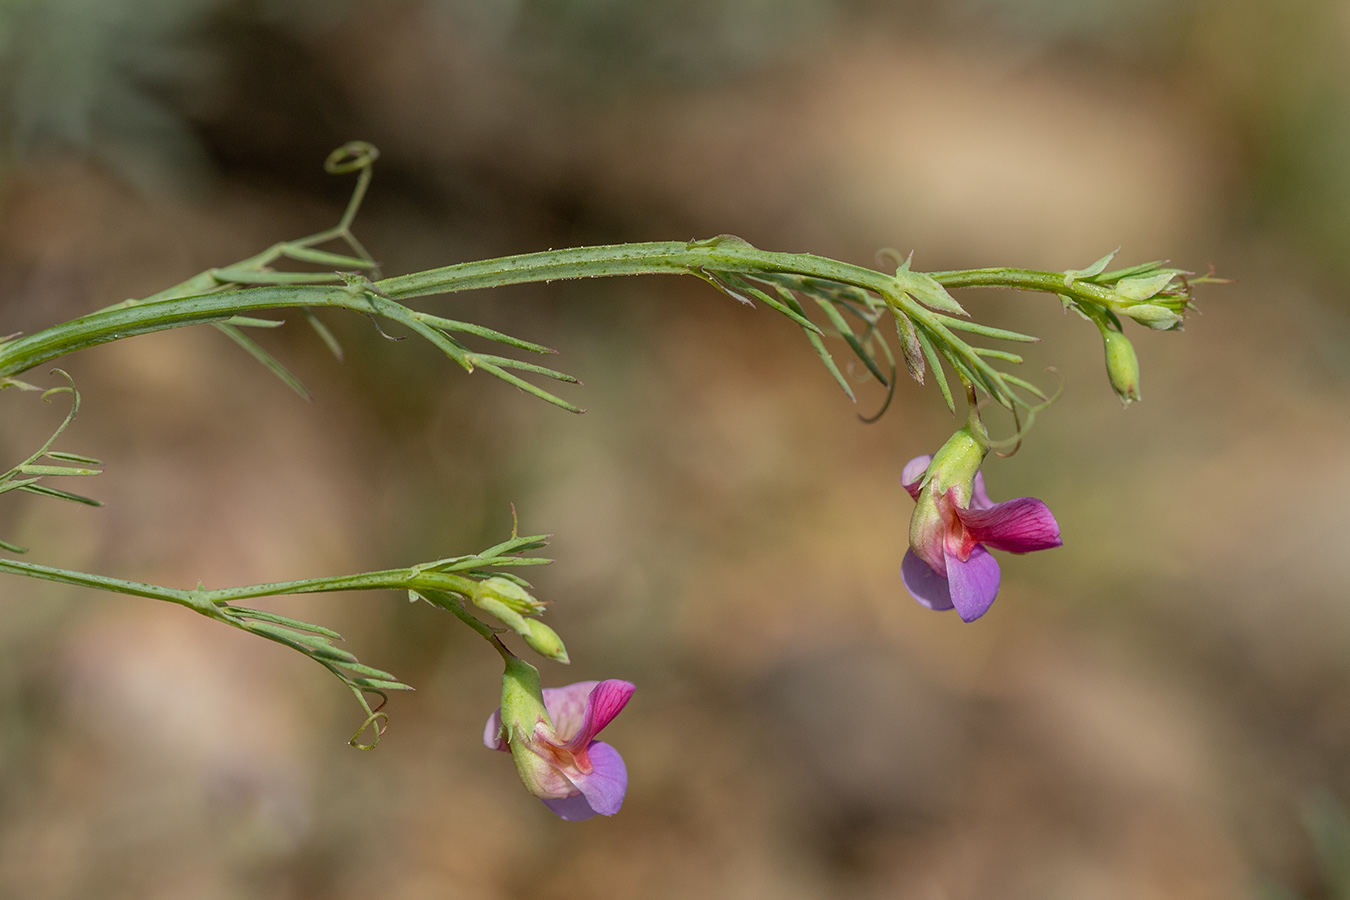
(912, 474)
(567, 707)
(973, 583)
(923, 584)
(492, 734)
(603, 703)
(979, 496)
(572, 809)
(605, 786)
(1017, 526)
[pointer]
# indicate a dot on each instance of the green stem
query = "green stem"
(207, 601)
(1028, 280)
(666, 257)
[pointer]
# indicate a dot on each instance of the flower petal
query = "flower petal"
(605, 786)
(1017, 526)
(492, 734)
(572, 809)
(603, 703)
(973, 583)
(979, 496)
(567, 707)
(912, 474)
(923, 584)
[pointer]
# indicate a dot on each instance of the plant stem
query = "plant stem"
(665, 257)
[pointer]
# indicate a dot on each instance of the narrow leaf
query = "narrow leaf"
(262, 356)
(58, 494)
(910, 346)
(480, 331)
(324, 334)
(250, 322)
(507, 363)
(528, 388)
(324, 257)
(935, 365)
(989, 331)
(1072, 275)
(999, 354)
(73, 457)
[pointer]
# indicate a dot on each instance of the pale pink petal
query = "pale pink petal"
(602, 705)
(567, 707)
(492, 734)
(912, 474)
(973, 583)
(572, 809)
(605, 786)
(1017, 526)
(923, 584)
(979, 496)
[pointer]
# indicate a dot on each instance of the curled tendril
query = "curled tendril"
(376, 719)
(350, 157)
(1000, 447)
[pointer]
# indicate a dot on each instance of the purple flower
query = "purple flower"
(556, 754)
(947, 564)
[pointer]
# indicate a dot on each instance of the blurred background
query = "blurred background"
(1160, 709)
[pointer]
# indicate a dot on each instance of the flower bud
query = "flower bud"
(1157, 317)
(507, 593)
(522, 702)
(1122, 366)
(545, 641)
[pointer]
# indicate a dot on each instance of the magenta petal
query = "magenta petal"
(605, 701)
(1017, 526)
(605, 786)
(567, 707)
(973, 583)
(923, 584)
(572, 809)
(912, 474)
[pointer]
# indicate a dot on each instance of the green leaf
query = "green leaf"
(1144, 286)
(1072, 275)
(58, 494)
(72, 457)
(263, 276)
(40, 470)
(528, 388)
(480, 331)
(324, 258)
(999, 354)
(324, 334)
(926, 290)
(250, 322)
(262, 356)
(988, 331)
(935, 364)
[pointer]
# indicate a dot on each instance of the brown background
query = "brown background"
(1156, 710)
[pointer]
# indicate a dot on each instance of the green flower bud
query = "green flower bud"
(506, 592)
(545, 641)
(1122, 366)
(522, 702)
(1157, 317)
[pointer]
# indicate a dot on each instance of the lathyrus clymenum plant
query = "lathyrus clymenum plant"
(550, 732)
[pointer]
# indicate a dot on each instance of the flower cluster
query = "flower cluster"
(947, 565)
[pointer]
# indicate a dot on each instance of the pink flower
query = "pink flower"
(556, 754)
(947, 564)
